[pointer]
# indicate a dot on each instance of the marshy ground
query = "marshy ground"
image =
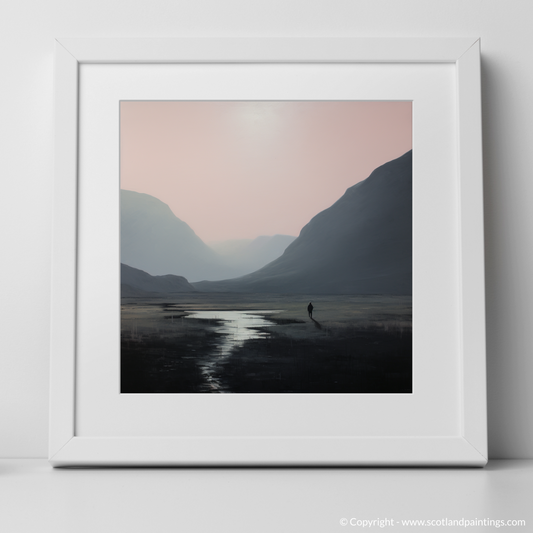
(261, 343)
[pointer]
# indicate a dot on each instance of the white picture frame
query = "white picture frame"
(465, 444)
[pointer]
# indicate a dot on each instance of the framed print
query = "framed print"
(258, 286)
(268, 252)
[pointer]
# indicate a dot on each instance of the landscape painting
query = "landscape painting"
(266, 247)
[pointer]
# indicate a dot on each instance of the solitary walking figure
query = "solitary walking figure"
(310, 310)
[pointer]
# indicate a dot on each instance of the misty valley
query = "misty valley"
(199, 319)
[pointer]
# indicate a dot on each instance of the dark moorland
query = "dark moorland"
(354, 345)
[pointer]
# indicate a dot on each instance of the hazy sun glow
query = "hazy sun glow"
(235, 170)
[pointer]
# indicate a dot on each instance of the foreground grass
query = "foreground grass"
(353, 345)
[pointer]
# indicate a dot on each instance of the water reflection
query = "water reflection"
(233, 327)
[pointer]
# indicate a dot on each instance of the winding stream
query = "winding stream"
(234, 327)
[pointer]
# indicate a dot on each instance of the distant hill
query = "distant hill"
(135, 282)
(362, 244)
(153, 239)
(248, 255)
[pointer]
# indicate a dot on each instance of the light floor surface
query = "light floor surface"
(35, 497)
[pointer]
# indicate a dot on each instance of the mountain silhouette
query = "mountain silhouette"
(153, 239)
(362, 244)
(135, 282)
(248, 255)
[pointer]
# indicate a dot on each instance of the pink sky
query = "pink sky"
(237, 170)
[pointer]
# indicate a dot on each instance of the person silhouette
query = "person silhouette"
(310, 310)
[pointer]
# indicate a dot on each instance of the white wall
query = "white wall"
(27, 31)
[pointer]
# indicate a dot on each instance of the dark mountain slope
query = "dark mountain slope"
(134, 282)
(362, 244)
